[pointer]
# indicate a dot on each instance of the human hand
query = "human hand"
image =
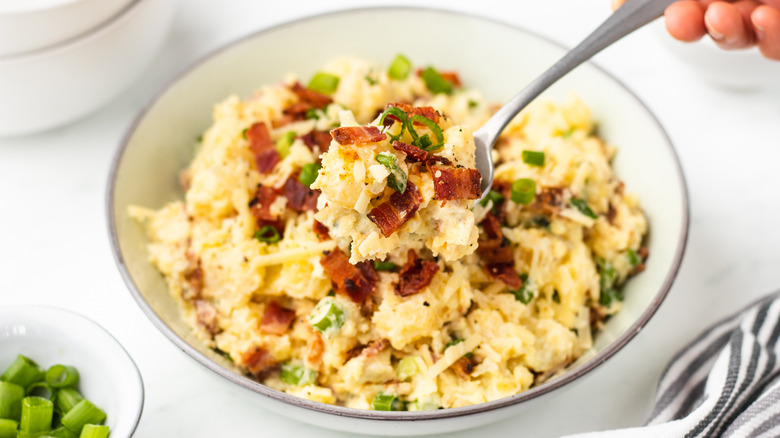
(732, 25)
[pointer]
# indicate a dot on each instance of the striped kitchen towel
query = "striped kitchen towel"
(726, 383)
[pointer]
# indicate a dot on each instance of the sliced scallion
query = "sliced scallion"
(607, 281)
(94, 431)
(633, 258)
(325, 83)
(397, 178)
(386, 402)
(37, 413)
(268, 234)
(66, 398)
(284, 143)
(309, 173)
(397, 113)
(533, 158)
(384, 266)
(297, 375)
(399, 68)
(432, 126)
(494, 196)
(62, 432)
(583, 207)
(523, 191)
(8, 428)
(83, 413)
(23, 371)
(524, 294)
(407, 367)
(60, 376)
(327, 316)
(436, 82)
(11, 396)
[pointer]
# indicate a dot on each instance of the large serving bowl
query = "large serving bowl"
(159, 144)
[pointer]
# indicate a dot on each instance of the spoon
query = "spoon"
(628, 18)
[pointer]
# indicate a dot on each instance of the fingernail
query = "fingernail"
(717, 36)
(759, 30)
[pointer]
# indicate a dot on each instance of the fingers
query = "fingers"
(617, 3)
(766, 22)
(685, 20)
(729, 24)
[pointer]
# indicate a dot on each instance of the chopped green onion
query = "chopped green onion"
(425, 405)
(582, 206)
(421, 141)
(312, 113)
(8, 428)
(309, 173)
(11, 396)
(371, 81)
(609, 296)
(243, 133)
(473, 104)
(83, 413)
(60, 376)
(385, 266)
(268, 234)
(436, 82)
(523, 191)
(568, 133)
(533, 158)
(400, 115)
(397, 178)
(37, 413)
(94, 431)
(61, 432)
(524, 294)
(297, 375)
(386, 402)
(23, 371)
(66, 398)
(327, 316)
(540, 221)
(399, 68)
(633, 258)
(453, 342)
(494, 196)
(285, 142)
(325, 83)
(41, 389)
(607, 281)
(407, 367)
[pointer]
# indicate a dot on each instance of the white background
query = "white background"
(54, 248)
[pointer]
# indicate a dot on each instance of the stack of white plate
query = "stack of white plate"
(61, 59)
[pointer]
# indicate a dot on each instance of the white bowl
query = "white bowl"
(159, 145)
(29, 25)
(53, 87)
(49, 336)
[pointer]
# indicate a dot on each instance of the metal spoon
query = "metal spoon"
(628, 18)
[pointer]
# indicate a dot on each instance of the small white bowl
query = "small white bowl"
(52, 87)
(29, 25)
(108, 376)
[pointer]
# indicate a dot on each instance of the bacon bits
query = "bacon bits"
(321, 230)
(299, 197)
(259, 361)
(319, 139)
(415, 275)
(456, 183)
(310, 97)
(375, 347)
(413, 153)
(426, 111)
(262, 147)
(347, 278)
(495, 252)
(260, 205)
(357, 135)
(276, 319)
(206, 314)
(391, 215)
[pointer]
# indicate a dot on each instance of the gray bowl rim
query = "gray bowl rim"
(341, 411)
(137, 370)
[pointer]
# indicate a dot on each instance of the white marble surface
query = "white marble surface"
(54, 248)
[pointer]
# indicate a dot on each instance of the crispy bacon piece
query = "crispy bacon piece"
(357, 135)
(495, 252)
(549, 201)
(425, 111)
(449, 76)
(375, 347)
(413, 153)
(347, 278)
(455, 182)
(463, 367)
(296, 111)
(206, 314)
(260, 205)
(276, 319)
(319, 139)
(299, 197)
(321, 230)
(415, 275)
(311, 97)
(193, 276)
(258, 360)
(391, 215)
(642, 253)
(315, 349)
(262, 147)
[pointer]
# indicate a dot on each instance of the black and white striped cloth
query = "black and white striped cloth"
(726, 383)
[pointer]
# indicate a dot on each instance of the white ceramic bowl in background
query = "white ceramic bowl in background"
(49, 336)
(494, 57)
(53, 87)
(30, 25)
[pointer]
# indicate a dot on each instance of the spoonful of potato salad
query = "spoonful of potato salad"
(630, 17)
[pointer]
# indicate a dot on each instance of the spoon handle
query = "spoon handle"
(629, 17)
